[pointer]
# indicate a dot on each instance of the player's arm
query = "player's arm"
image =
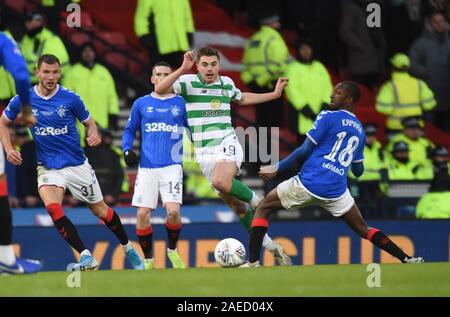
(167, 83)
(129, 133)
(357, 168)
(14, 63)
(11, 154)
(249, 98)
(302, 152)
(93, 137)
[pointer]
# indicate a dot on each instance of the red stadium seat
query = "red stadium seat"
(20, 6)
(137, 69)
(79, 38)
(117, 60)
(367, 97)
(116, 39)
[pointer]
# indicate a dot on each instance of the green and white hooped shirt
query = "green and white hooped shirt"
(208, 108)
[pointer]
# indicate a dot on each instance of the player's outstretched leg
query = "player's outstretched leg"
(113, 222)
(144, 232)
(9, 263)
(258, 232)
(355, 220)
(245, 216)
(173, 227)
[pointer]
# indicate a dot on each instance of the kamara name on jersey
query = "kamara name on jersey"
(351, 123)
(44, 131)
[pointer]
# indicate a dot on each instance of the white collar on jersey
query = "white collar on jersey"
(350, 113)
(49, 96)
(168, 96)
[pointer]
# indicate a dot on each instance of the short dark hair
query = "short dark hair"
(353, 89)
(48, 59)
(207, 51)
(161, 64)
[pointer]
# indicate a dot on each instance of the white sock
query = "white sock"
(255, 201)
(86, 252)
(7, 255)
(268, 243)
(170, 250)
(127, 247)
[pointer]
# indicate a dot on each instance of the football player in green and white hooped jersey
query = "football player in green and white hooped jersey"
(217, 150)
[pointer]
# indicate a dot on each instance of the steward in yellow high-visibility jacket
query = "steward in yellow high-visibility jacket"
(404, 95)
(38, 41)
(165, 28)
(7, 85)
(373, 156)
(96, 87)
(266, 55)
(309, 88)
(419, 147)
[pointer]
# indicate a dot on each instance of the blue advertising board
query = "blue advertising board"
(313, 242)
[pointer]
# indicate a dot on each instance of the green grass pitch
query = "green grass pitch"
(430, 279)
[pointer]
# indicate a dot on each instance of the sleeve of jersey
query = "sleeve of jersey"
(131, 127)
(14, 63)
(316, 133)
(236, 94)
(177, 87)
(80, 110)
(13, 109)
(359, 154)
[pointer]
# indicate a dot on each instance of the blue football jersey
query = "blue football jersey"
(57, 139)
(339, 138)
(161, 122)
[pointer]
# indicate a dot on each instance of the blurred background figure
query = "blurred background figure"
(309, 88)
(106, 162)
(430, 61)
(96, 87)
(420, 148)
(39, 40)
(27, 190)
(435, 204)
(368, 183)
(165, 29)
(366, 46)
(403, 96)
(265, 60)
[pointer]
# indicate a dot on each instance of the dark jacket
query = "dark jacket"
(430, 55)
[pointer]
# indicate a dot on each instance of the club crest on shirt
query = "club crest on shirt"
(62, 111)
(215, 104)
(175, 110)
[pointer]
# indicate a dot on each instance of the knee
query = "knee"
(239, 208)
(173, 214)
(221, 185)
(99, 209)
(362, 231)
(143, 214)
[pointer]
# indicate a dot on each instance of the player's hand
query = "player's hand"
(26, 116)
(94, 139)
(268, 172)
(14, 157)
(131, 159)
(281, 84)
(188, 61)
